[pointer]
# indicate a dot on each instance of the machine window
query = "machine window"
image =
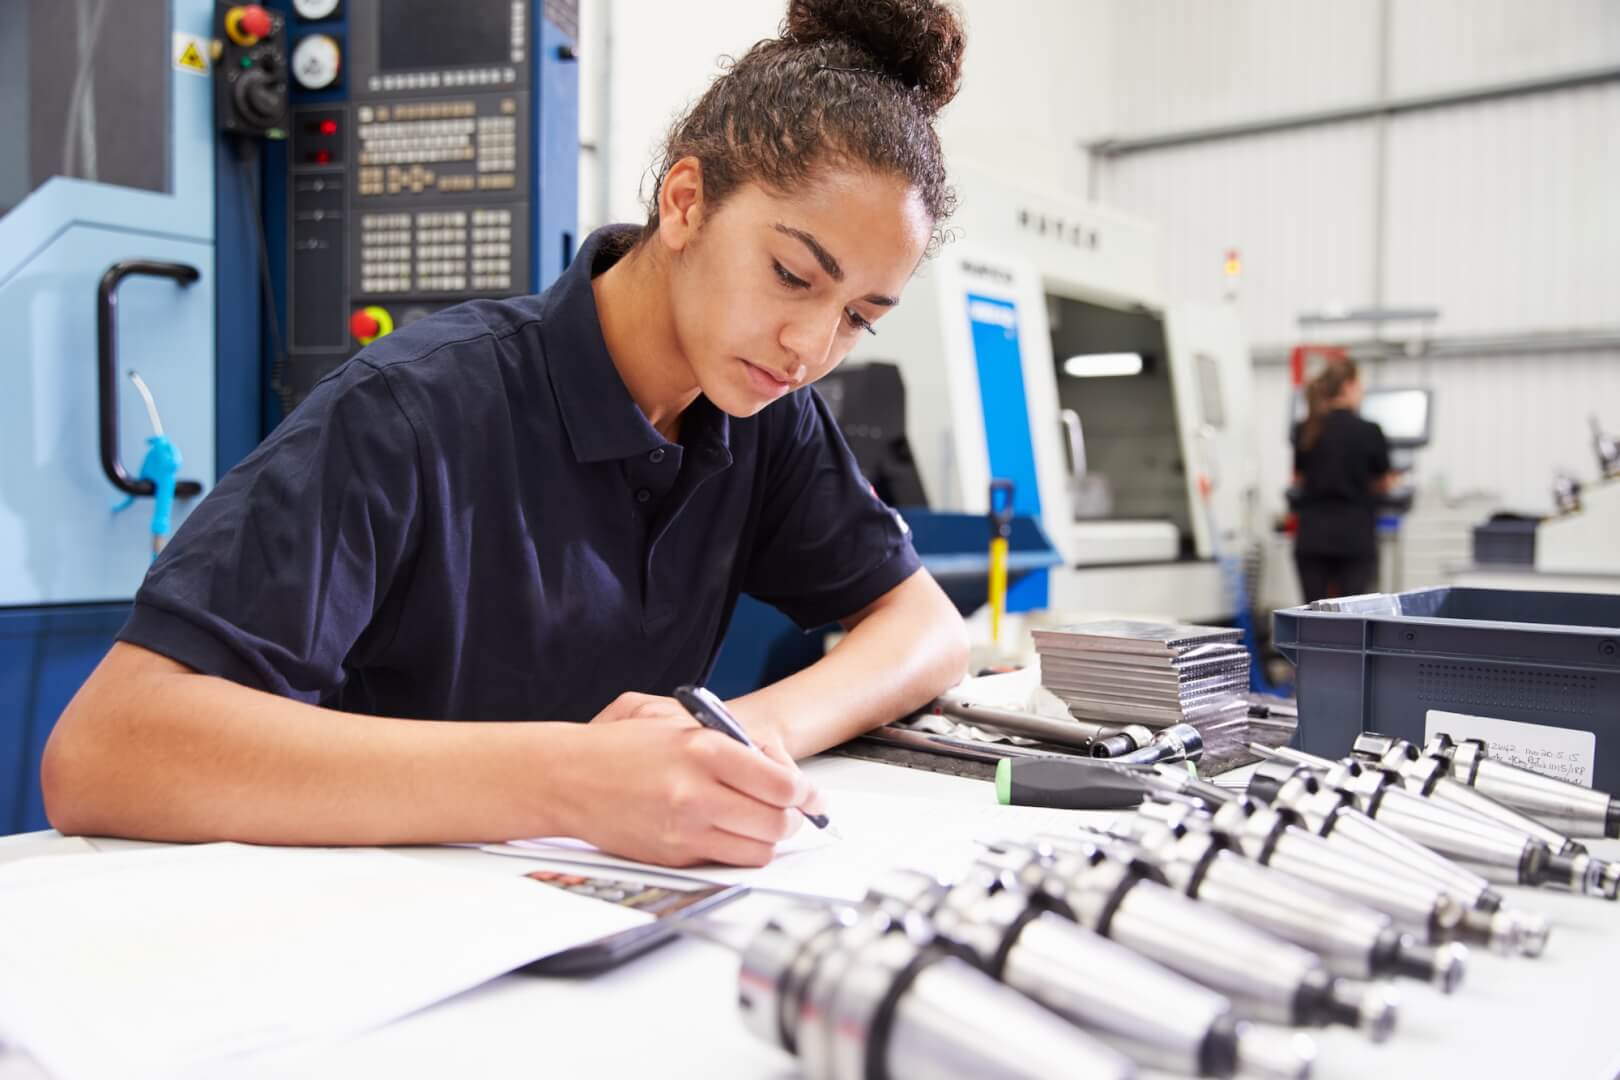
(79, 96)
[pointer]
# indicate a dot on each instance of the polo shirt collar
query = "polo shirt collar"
(602, 419)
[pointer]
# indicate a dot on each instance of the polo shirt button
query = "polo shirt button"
(656, 456)
(642, 495)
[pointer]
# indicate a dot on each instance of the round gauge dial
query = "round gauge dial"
(316, 9)
(315, 62)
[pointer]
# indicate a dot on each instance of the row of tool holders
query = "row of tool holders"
(1197, 935)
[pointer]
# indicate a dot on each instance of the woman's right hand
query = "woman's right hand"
(657, 787)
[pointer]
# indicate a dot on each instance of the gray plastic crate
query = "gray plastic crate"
(1381, 665)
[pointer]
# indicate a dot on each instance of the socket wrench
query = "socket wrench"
(1148, 1012)
(1354, 941)
(1179, 742)
(1127, 900)
(857, 996)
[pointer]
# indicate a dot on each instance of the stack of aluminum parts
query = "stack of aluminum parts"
(1108, 890)
(1160, 1019)
(1154, 674)
(1577, 810)
(860, 996)
(1414, 797)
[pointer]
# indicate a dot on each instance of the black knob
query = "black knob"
(259, 99)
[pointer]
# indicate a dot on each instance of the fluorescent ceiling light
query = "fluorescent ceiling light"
(1096, 365)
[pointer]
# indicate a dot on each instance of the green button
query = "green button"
(1004, 781)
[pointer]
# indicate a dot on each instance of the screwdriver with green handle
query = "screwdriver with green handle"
(1069, 783)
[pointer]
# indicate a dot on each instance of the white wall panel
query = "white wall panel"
(1035, 83)
(1505, 214)
(1445, 44)
(1179, 63)
(660, 64)
(1295, 205)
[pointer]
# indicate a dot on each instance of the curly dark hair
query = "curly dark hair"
(849, 83)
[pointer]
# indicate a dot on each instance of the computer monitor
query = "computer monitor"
(1402, 412)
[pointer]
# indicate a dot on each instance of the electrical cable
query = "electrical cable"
(247, 155)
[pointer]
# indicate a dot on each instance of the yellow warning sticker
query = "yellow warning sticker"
(191, 53)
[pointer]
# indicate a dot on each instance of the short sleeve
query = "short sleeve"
(826, 545)
(278, 573)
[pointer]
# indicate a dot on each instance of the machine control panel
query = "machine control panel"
(411, 173)
(250, 64)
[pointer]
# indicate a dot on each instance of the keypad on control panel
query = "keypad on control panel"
(413, 148)
(435, 251)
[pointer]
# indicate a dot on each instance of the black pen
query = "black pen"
(707, 710)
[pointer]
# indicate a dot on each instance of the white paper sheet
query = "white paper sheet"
(159, 962)
(880, 832)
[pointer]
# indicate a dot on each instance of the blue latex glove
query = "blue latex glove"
(161, 466)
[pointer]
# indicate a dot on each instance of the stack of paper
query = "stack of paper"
(167, 962)
(1155, 674)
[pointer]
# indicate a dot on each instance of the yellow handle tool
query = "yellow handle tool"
(1000, 529)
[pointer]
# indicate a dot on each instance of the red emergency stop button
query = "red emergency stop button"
(367, 324)
(247, 23)
(256, 20)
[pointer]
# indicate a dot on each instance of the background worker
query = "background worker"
(1341, 467)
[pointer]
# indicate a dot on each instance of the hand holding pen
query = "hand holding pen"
(708, 710)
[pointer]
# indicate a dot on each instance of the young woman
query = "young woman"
(385, 625)
(1341, 466)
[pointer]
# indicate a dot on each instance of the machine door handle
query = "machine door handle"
(107, 368)
(1077, 442)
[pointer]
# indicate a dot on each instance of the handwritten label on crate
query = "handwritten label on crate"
(1562, 753)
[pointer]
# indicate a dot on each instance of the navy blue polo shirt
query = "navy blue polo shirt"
(472, 520)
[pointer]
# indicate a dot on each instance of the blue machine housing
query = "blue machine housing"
(69, 566)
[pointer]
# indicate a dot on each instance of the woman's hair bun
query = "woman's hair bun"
(919, 42)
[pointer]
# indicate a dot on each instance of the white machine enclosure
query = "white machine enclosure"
(1013, 253)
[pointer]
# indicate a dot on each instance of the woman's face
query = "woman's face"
(770, 292)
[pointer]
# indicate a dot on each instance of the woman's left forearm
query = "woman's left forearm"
(899, 654)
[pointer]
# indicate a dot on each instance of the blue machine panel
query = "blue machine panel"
(63, 553)
(44, 657)
(1000, 363)
(59, 540)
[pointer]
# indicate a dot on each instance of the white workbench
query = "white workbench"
(673, 1013)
